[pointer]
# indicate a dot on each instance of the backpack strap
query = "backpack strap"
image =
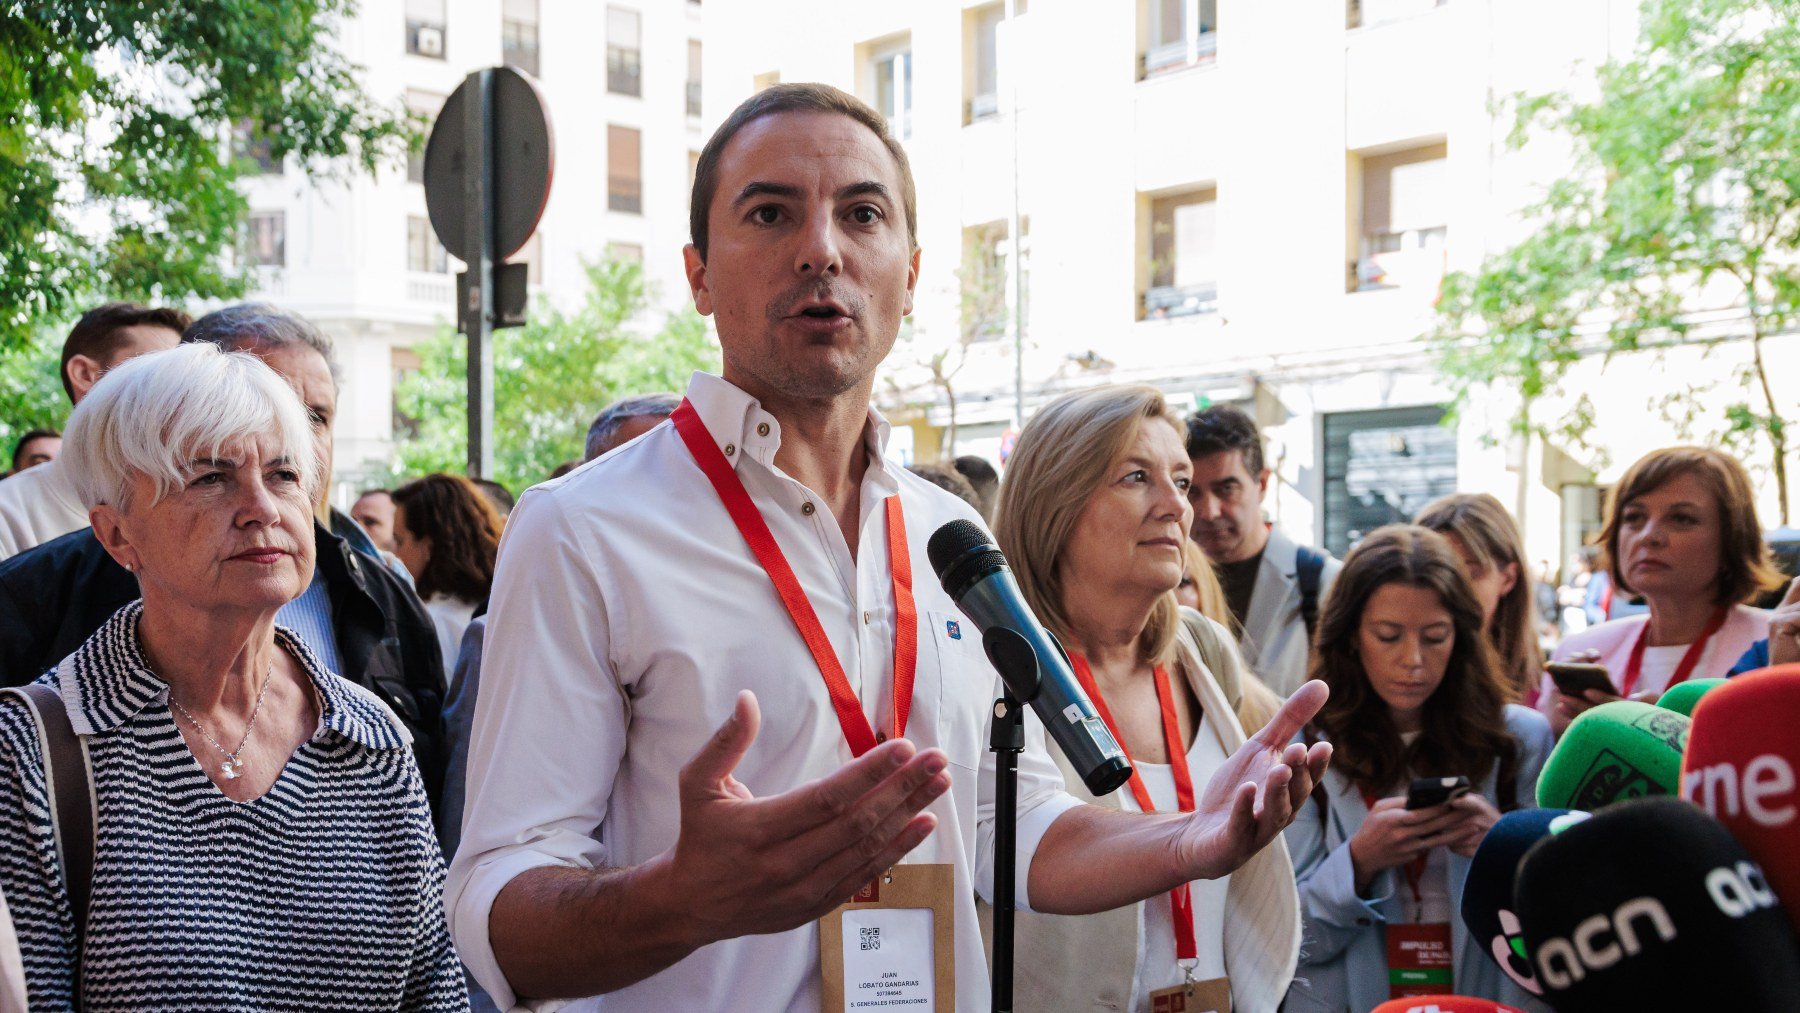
(74, 810)
(1309, 569)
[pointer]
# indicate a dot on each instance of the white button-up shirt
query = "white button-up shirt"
(627, 614)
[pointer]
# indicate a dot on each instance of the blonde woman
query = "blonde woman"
(1093, 516)
(1485, 537)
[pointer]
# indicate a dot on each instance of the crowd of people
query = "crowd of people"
(665, 727)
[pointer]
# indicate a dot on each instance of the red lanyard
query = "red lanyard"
(1181, 900)
(762, 543)
(1414, 869)
(1634, 667)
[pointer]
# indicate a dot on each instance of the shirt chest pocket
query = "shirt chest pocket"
(965, 689)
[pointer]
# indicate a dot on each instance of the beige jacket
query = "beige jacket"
(1083, 963)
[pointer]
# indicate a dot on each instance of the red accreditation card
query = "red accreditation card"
(1420, 961)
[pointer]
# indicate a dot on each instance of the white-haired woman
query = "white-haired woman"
(1094, 518)
(262, 836)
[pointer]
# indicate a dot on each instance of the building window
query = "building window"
(1184, 255)
(767, 79)
(693, 78)
(983, 98)
(887, 81)
(427, 105)
(425, 21)
(983, 281)
(1403, 214)
(624, 170)
(424, 254)
(265, 239)
(624, 58)
(253, 150)
(519, 35)
(1179, 34)
(625, 253)
(1381, 467)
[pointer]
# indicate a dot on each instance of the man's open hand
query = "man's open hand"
(751, 865)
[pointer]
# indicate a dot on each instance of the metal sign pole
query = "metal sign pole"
(478, 211)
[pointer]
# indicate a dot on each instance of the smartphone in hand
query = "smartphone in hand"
(1426, 792)
(1574, 679)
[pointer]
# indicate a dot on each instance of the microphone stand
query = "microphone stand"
(1006, 738)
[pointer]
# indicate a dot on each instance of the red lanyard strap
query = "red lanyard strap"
(1414, 869)
(1634, 667)
(756, 533)
(1181, 900)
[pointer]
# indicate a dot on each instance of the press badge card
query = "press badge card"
(892, 947)
(1420, 961)
(1210, 996)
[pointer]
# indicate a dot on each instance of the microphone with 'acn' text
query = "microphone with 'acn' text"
(1650, 904)
(975, 576)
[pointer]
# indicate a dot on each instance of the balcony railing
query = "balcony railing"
(693, 98)
(624, 71)
(982, 107)
(1180, 54)
(1365, 13)
(1164, 301)
(1410, 258)
(624, 195)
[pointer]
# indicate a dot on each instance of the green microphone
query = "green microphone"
(1619, 750)
(1682, 696)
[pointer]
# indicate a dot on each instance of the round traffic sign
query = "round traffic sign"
(524, 158)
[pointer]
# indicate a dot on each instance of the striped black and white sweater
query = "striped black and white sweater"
(326, 893)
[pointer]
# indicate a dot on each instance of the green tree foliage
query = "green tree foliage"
(115, 161)
(1685, 199)
(551, 377)
(31, 394)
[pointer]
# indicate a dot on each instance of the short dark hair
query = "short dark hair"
(984, 479)
(389, 493)
(497, 495)
(464, 529)
(35, 434)
(266, 325)
(96, 334)
(949, 480)
(1225, 427)
(792, 98)
(615, 415)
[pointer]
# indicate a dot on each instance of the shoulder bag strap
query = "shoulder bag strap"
(1309, 567)
(74, 811)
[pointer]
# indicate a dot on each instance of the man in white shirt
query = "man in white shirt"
(38, 504)
(637, 822)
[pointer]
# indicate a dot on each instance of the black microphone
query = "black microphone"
(1036, 669)
(1651, 905)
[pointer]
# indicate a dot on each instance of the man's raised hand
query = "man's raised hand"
(748, 865)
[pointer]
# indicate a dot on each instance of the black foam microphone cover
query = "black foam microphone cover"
(1488, 908)
(1651, 904)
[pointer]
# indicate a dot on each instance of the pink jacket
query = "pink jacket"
(1743, 627)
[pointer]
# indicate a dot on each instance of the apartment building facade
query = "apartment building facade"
(621, 79)
(1234, 201)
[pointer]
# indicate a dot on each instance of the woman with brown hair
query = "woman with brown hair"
(1681, 533)
(1485, 537)
(1415, 693)
(448, 534)
(1093, 518)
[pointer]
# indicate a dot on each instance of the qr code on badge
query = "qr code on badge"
(871, 938)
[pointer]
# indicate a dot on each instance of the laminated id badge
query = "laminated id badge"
(893, 946)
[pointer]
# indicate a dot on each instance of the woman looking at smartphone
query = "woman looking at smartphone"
(1681, 533)
(1416, 692)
